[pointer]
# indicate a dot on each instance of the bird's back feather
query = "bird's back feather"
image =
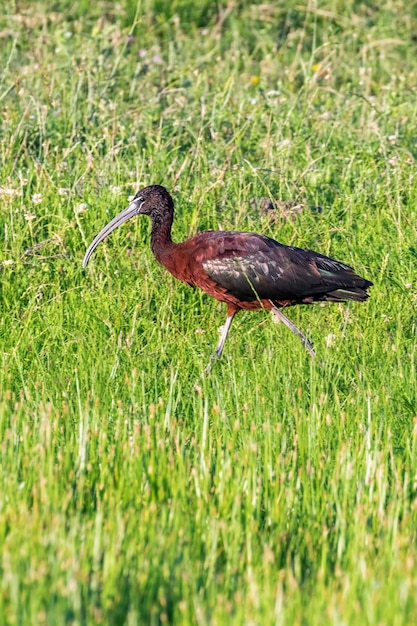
(254, 267)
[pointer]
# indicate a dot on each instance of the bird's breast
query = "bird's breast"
(180, 261)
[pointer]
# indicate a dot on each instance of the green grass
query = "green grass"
(277, 490)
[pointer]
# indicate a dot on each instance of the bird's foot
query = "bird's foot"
(308, 345)
(213, 357)
(279, 315)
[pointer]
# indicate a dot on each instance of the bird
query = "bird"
(244, 270)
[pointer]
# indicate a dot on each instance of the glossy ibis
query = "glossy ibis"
(244, 270)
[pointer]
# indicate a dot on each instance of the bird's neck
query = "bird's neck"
(161, 233)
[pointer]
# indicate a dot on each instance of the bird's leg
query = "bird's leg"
(283, 318)
(219, 349)
(225, 332)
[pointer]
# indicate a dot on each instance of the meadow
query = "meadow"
(278, 489)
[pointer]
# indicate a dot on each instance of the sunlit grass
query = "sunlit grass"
(278, 489)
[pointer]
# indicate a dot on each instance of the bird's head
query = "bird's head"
(154, 201)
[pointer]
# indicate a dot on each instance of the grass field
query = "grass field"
(277, 490)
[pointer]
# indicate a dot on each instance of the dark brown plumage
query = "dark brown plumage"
(243, 270)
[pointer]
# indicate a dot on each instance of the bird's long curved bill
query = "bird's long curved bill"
(123, 216)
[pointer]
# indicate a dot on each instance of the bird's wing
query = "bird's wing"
(254, 267)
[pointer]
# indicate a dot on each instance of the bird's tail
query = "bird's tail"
(358, 294)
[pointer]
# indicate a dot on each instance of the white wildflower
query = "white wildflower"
(8, 192)
(81, 208)
(330, 340)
